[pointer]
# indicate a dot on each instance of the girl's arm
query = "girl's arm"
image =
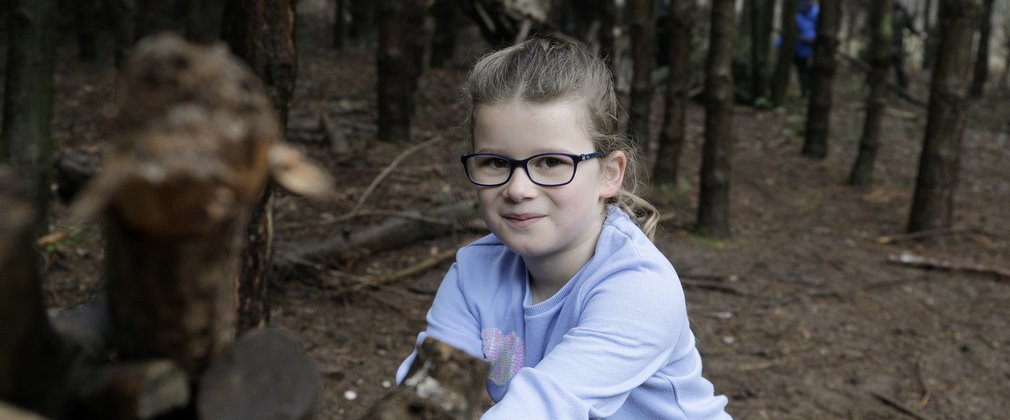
(449, 320)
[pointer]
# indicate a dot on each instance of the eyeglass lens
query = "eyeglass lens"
(548, 169)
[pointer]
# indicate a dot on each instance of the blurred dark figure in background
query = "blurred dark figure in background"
(901, 20)
(806, 22)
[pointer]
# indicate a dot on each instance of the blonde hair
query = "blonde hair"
(548, 69)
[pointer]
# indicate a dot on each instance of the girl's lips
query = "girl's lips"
(522, 220)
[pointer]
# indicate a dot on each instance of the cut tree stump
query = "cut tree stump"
(264, 374)
(443, 383)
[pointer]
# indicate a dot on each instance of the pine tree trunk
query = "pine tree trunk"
(762, 14)
(982, 58)
(262, 33)
(930, 30)
(643, 43)
(26, 141)
(29, 359)
(784, 62)
(339, 24)
(673, 134)
(939, 163)
(881, 61)
(447, 23)
(713, 202)
(124, 27)
(398, 59)
(822, 76)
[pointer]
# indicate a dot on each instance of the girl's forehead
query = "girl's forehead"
(520, 128)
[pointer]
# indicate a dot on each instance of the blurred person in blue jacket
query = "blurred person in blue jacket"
(806, 22)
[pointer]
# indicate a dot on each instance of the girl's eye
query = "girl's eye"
(551, 162)
(497, 163)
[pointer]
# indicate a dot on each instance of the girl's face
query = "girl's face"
(532, 220)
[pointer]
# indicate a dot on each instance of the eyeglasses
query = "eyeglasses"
(545, 169)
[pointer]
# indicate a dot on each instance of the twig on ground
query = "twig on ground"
(919, 261)
(380, 280)
(899, 237)
(711, 285)
(919, 365)
(389, 213)
(897, 405)
(389, 168)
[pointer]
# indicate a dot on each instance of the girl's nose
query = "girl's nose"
(520, 187)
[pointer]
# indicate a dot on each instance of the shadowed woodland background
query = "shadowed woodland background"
(827, 274)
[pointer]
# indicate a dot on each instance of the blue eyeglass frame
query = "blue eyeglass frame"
(514, 163)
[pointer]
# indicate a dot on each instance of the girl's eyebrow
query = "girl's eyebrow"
(538, 151)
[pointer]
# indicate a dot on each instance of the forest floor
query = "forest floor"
(809, 318)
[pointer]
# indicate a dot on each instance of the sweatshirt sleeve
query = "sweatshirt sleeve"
(449, 320)
(628, 330)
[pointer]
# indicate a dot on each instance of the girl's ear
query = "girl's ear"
(613, 167)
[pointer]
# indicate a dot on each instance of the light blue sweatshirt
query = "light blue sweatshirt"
(613, 343)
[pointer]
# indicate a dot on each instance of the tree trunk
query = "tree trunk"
(398, 59)
(673, 134)
(762, 14)
(930, 30)
(641, 14)
(339, 24)
(822, 76)
(784, 62)
(713, 201)
(27, 142)
(262, 33)
(29, 359)
(124, 27)
(939, 163)
(881, 61)
(447, 23)
(608, 22)
(982, 58)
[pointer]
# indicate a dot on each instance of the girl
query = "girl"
(577, 311)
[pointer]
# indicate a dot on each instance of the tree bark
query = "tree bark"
(713, 202)
(674, 131)
(784, 62)
(262, 33)
(939, 163)
(29, 358)
(762, 14)
(641, 14)
(822, 77)
(447, 24)
(398, 61)
(880, 62)
(931, 32)
(26, 141)
(339, 24)
(982, 58)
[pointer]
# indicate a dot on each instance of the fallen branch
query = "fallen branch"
(389, 168)
(911, 236)
(394, 232)
(390, 213)
(897, 405)
(375, 281)
(920, 261)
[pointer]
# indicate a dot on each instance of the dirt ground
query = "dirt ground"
(800, 315)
